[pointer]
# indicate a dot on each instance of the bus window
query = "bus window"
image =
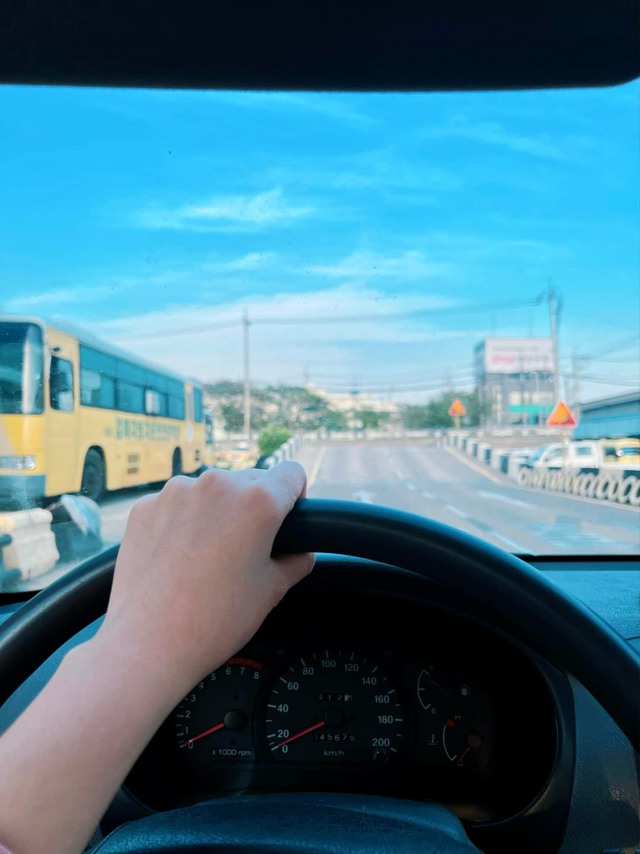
(61, 384)
(197, 404)
(97, 389)
(129, 397)
(151, 402)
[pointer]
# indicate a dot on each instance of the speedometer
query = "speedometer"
(334, 705)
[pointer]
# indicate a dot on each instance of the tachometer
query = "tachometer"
(334, 705)
(214, 721)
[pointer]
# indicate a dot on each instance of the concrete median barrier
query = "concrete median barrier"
(32, 549)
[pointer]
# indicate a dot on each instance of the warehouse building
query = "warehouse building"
(616, 417)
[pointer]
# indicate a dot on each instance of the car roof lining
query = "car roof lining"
(436, 46)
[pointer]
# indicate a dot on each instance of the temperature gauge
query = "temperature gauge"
(457, 722)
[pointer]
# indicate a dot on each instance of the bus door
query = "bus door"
(61, 420)
(189, 445)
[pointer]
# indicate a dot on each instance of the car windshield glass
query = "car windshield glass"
(414, 295)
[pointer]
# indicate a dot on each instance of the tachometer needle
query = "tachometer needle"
(299, 734)
(202, 735)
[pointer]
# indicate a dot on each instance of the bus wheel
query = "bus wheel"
(176, 463)
(93, 476)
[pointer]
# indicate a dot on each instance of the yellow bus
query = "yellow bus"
(80, 415)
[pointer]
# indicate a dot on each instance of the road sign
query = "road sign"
(561, 416)
(457, 408)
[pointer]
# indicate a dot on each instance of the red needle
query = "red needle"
(300, 734)
(463, 754)
(202, 735)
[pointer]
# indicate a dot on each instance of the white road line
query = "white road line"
(513, 546)
(399, 474)
(411, 486)
(505, 499)
(463, 458)
(428, 495)
(457, 512)
(316, 467)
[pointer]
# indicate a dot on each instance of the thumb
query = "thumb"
(288, 570)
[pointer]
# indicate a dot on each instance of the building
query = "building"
(514, 380)
(616, 417)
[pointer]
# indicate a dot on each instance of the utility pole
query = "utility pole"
(575, 372)
(247, 376)
(553, 325)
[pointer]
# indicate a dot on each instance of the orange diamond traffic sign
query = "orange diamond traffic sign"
(457, 408)
(561, 416)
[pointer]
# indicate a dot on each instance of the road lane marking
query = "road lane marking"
(399, 474)
(411, 486)
(428, 495)
(457, 512)
(505, 499)
(463, 458)
(316, 467)
(513, 546)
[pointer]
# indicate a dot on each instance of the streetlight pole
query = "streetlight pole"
(553, 325)
(247, 376)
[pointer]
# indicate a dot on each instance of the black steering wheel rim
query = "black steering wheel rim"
(521, 599)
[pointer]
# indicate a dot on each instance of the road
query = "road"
(446, 486)
(443, 485)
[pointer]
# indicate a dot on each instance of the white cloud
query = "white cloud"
(61, 296)
(408, 265)
(542, 146)
(330, 106)
(250, 261)
(392, 324)
(226, 213)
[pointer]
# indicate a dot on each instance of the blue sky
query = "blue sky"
(140, 213)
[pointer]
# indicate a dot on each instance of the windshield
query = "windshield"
(20, 368)
(412, 294)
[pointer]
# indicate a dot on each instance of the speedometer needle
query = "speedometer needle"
(299, 734)
(202, 735)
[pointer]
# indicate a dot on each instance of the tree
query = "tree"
(271, 438)
(370, 418)
(435, 414)
(233, 417)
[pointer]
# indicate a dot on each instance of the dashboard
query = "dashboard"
(546, 768)
(365, 690)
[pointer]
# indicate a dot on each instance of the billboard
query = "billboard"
(517, 355)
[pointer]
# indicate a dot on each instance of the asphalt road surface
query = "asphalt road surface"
(443, 485)
(446, 486)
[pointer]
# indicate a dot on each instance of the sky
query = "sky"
(373, 239)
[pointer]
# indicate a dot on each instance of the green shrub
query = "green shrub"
(271, 438)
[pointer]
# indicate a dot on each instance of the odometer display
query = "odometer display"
(334, 705)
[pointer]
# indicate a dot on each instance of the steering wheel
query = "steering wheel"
(502, 587)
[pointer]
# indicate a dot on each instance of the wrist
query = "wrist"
(128, 668)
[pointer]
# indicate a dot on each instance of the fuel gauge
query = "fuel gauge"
(457, 723)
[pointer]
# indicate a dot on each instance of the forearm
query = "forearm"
(63, 759)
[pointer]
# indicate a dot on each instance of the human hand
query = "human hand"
(195, 577)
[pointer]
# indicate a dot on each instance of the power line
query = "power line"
(184, 330)
(362, 318)
(365, 318)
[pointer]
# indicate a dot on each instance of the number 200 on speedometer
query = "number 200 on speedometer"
(334, 705)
